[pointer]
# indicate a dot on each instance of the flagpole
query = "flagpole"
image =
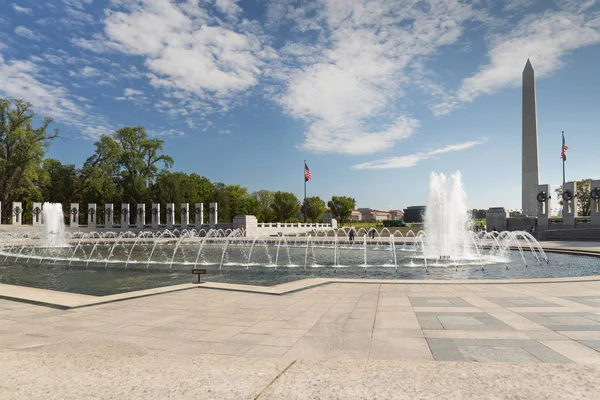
(304, 175)
(563, 159)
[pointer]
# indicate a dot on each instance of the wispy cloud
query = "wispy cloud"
(134, 95)
(544, 38)
(413, 159)
(132, 92)
(21, 10)
(166, 133)
(24, 79)
(518, 5)
(86, 72)
(189, 54)
(357, 68)
(27, 33)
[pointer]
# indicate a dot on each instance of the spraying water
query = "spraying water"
(54, 226)
(447, 219)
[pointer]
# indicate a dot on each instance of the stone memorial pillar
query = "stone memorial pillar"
(199, 216)
(141, 216)
(495, 217)
(569, 204)
(544, 206)
(109, 215)
(155, 215)
(124, 215)
(92, 215)
(17, 213)
(247, 224)
(213, 214)
(185, 215)
(595, 204)
(37, 214)
(74, 215)
(170, 215)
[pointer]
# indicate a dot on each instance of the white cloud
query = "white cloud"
(228, 7)
(166, 133)
(60, 58)
(575, 5)
(518, 5)
(21, 10)
(349, 80)
(192, 56)
(27, 33)
(413, 159)
(132, 92)
(19, 80)
(133, 95)
(79, 4)
(326, 137)
(545, 39)
(24, 80)
(78, 16)
(86, 72)
(96, 45)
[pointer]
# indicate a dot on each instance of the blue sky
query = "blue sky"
(375, 95)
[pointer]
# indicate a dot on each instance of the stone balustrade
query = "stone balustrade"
(137, 217)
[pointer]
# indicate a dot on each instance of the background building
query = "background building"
(369, 215)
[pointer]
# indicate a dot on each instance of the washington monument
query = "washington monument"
(531, 177)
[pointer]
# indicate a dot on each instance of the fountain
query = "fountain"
(54, 226)
(447, 219)
(445, 249)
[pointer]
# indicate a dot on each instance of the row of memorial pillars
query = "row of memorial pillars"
(155, 221)
(570, 206)
(124, 217)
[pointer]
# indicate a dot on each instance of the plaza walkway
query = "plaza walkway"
(538, 340)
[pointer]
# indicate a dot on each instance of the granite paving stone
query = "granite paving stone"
(407, 322)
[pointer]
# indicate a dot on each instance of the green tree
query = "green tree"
(478, 213)
(265, 198)
(315, 208)
(285, 205)
(178, 188)
(232, 200)
(99, 176)
(22, 148)
(131, 158)
(58, 182)
(252, 206)
(584, 200)
(341, 208)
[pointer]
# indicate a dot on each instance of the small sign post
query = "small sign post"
(199, 272)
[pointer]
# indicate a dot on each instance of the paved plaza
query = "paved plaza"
(381, 340)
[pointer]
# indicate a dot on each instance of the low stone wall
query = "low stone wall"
(253, 228)
(581, 232)
(521, 223)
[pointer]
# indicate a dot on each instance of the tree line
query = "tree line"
(127, 167)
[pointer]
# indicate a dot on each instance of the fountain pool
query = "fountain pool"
(125, 262)
(102, 263)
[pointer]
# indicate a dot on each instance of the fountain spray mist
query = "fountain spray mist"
(54, 225)
(447, 219)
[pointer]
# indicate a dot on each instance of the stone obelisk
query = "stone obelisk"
(530, 178)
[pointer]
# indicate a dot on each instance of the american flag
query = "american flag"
(307, 174)
(563, 156)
